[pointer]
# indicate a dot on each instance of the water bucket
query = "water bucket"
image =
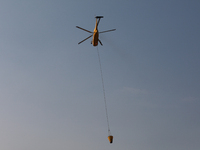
(110, 138)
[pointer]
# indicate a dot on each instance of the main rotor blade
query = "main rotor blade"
(85, 39)
(84, 29)
(107, 31)
(100, 42)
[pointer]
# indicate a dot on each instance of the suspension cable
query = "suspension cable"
(109, 133)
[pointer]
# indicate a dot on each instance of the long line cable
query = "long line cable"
(104, 93)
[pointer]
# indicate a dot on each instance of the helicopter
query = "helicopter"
(95, 33)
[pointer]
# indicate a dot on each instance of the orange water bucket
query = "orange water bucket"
(110, 138)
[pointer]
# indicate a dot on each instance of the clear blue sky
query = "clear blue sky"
(50, 87)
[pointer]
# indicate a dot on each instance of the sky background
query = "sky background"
(50, 87)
